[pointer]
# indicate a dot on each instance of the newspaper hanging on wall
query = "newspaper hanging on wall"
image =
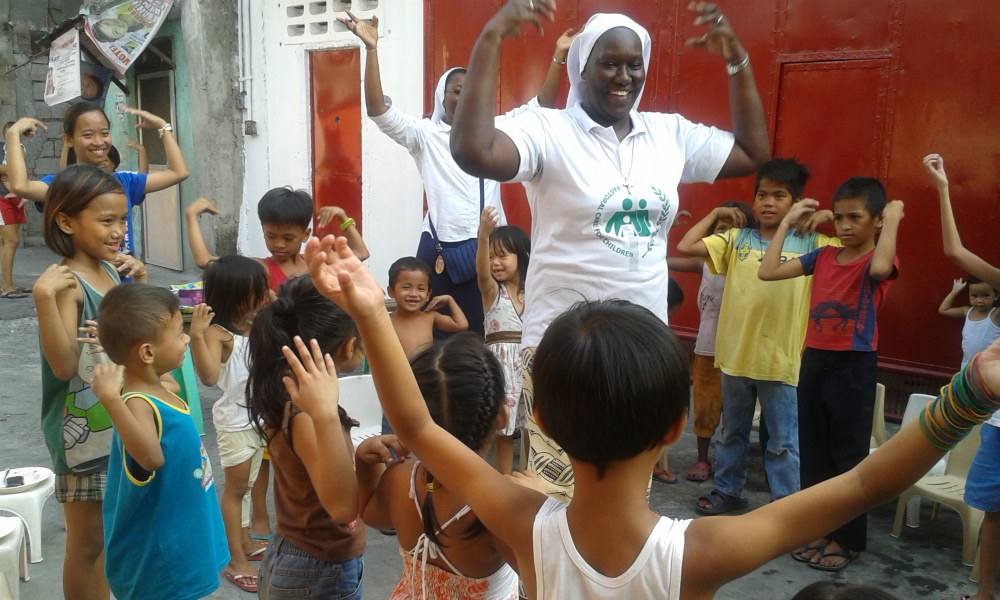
(62, 81)
(120, 30)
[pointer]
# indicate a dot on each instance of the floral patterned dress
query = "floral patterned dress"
(503, 338)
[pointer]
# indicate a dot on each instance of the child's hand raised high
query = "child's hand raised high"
(107, 382)
(201, 320)
(313, 386)
(340, 276)
(376, 450)
(488, 221)
(957, 286)
(934, 164)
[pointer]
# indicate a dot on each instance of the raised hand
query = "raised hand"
(802, 209)
(313, 385)
(107, 382)
(55, 279)
(488, 221)
(201, 320)
(328, 214)
(893, 210)
(934, 163)
(720, 38)
(340, 276)
(681, 218)
(366, 32)
(147, 120)
(376, 450)
(957, 286)
(133, 145)
(201, 205)
(437, 302)
(563, 43)
(26, 126)
(517, 12)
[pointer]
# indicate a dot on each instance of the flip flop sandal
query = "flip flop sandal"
(241, 581)
(262, 538)
(801, 557)
(699, 472)
(720, 503)
(845, 554)
(257, 554)
(664, 476)
(13, 295)
(24, 290)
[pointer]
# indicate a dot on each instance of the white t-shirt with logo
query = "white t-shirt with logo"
(593, 237)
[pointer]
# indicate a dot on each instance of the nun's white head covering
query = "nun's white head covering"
(438, 115)
(583, 45)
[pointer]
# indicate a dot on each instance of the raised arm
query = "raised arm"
(200, 252)
(948, 307)
(374, 490)
(349, 228)
(17, 169)
(502, 505)
(134, 420)
(177, 169)
(476, 145)
(455, 322)
(368, 34)
(56, 306)
(692, 244)
(885, 249)
(488, 287)
(752, 148)
(771, 268)
(553, 77)
(206, 345)
(143, 156)
(953, 247)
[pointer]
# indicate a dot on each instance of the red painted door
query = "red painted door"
(335, 79)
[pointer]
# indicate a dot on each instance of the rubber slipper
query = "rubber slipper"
(257, 554)
(24, 290)
(720, 503)
(241, 582)
(699, 472)
(262, 538)
(801, 557)
(847, 555)
(664, 476)
(13, 295)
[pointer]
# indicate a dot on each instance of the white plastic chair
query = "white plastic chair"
(949, 489)
(358, 397)
(914, 405)
(13, 558)
(27, 505)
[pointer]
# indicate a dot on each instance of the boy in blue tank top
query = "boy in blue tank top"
(163, 532)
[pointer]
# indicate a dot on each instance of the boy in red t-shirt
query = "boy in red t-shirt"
(837, 377)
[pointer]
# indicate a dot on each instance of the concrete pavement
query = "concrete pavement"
(925, 563)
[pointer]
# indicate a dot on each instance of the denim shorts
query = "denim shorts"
(288, 571)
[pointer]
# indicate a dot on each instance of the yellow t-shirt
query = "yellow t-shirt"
(762, 324)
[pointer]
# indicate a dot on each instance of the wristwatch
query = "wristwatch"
(166, 127)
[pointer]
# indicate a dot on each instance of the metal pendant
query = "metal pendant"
(439, 265)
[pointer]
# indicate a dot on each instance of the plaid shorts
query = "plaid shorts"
(80, 488)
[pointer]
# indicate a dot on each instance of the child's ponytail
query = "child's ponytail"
(301, 311)
(463, 385)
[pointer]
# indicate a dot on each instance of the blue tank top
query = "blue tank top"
(163, 532)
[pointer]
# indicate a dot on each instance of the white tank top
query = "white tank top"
(560, 571)
(976, 337)
(229, 413)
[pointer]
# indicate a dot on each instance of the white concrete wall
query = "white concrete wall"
(278, 100)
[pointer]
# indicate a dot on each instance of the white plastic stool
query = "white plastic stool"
(28, 506)
(13, 557)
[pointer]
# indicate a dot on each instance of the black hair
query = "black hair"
(71, 191)
(235, 286)
(675, 295)
(830, 590)
(462, 383)
(285, 206)
(75, 111)
(7, 125)
(133, 314)
(786, 172)
(408, 263)
(744, 208)
(513, 240)
(868, 189)
(299, 310)
(610, 380)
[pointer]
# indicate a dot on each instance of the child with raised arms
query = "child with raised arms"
(317, 548)
(612, 389)
(982, 319)
(416, 317)
(982, 488)
(501, 267)
(235, 289)
(163, 533)
(837, 377)
(85, 222)
(285, 218)
(446, 551)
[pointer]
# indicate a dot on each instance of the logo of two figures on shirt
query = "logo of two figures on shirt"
(629, 222)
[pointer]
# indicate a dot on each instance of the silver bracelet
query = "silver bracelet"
(734, 69)
(557, 61)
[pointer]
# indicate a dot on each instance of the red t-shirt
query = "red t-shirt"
(843, 301)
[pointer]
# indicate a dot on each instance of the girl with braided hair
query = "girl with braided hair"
(293, 403)
(447, 553)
